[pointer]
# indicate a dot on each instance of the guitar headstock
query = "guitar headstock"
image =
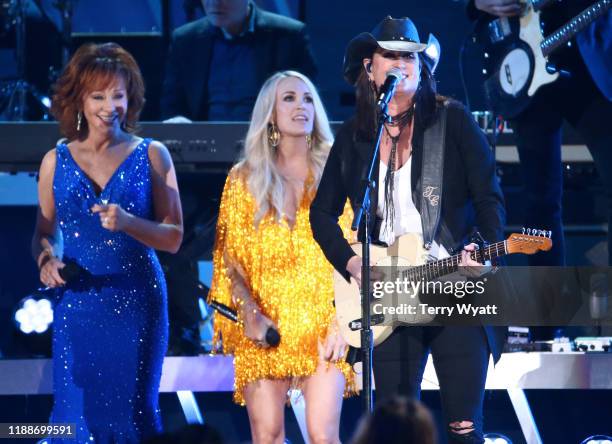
(530, 241)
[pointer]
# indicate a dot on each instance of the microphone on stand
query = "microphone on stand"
(272, 336)
(394, 75)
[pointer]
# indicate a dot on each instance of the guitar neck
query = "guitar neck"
(566, 32)
(442, 267)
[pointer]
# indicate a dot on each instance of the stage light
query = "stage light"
(598, 439)
(34, 315)
(496, 438)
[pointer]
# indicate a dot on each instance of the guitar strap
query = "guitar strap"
(431, 177)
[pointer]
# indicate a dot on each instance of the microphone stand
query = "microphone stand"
(364, 210)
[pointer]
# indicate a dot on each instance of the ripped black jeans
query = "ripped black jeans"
(461, 358)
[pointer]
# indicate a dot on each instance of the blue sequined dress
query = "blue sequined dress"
(110, 327)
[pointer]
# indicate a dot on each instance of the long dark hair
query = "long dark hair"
(365, 103)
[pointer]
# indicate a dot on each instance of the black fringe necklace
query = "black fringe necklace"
(400, 121)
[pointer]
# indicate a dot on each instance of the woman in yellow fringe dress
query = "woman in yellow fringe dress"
(269, 268)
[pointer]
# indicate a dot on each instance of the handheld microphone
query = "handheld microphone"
(272, 336)
(394, 75)
(71, 272)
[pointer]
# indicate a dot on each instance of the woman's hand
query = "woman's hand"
(470, 268)
(353, 266)
(255, 323)
(500, 8)
(49, 272)
(112, 216)
(334, 348)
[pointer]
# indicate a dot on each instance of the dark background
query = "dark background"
(143, 27)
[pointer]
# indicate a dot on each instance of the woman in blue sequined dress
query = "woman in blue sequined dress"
(108, 199)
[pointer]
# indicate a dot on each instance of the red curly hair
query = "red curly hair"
(94, 67)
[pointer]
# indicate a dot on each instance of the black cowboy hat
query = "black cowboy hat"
(390, 34)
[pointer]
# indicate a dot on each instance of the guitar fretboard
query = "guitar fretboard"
(563, 35)
(436, 269)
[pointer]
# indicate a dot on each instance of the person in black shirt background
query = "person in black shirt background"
(583, 100)
(218, 63)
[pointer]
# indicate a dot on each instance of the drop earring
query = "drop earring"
(273, 135)
(79, 120)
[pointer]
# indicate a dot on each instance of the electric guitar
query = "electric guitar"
(515, 53)
(408, 251)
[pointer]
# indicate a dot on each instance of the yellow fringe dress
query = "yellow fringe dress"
(289, 278)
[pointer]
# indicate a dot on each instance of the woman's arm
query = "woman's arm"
(334, 348)
(230, 281)
(254, 322)
(44, 239)
(166, 231)
(483, 184)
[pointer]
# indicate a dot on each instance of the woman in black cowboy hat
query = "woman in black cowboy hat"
(469, 198)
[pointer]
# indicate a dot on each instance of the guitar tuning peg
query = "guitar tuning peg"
(523, 230)
(550, 234)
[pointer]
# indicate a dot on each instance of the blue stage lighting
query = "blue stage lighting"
(598, 439)
(496, 438)
(34, 315)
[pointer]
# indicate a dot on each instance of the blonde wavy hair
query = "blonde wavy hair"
(258, 159)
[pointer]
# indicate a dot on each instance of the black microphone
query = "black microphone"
(394, 75)
(71, 272)
(272, 337)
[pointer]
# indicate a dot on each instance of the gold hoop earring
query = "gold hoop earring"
(309, 141)
(79, 120)
(273, 135)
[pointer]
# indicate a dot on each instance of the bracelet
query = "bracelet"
(44, 257)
